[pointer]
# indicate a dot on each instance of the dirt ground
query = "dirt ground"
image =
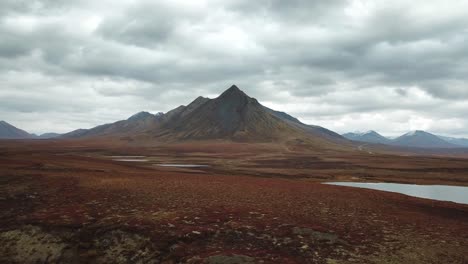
(68, 202)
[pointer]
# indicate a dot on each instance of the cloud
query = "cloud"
(347, 65)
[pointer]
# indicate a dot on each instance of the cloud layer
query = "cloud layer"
(391, 66)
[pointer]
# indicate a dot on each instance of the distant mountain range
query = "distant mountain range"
(369, 136)
(418, 138)
(232, 116)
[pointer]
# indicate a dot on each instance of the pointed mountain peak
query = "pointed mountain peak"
(233, 91)
(140, 115)
(234, 88)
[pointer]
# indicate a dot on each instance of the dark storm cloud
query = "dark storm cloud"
(348, 65)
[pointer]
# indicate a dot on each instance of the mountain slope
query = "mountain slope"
(8, 131)
(183, 110)
(233, 115)
(369, 137)
(462, 142)
(135, 124)
(421, 139)
(311, 129)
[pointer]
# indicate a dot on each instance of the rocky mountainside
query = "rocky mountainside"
(135, 124)
(231, 116)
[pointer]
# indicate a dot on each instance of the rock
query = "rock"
(119, 246)
(31, 244)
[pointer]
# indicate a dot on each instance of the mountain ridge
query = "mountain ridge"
(417, 138)
(233, 116)
(370, 136)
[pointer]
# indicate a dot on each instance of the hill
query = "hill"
(462, 142)
(422, 139)
(135, 124)
(8, 131)
(370, 137)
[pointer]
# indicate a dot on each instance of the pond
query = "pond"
(457, 194)
(129, 158)
(183, 165)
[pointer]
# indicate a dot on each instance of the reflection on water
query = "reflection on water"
(456, 194)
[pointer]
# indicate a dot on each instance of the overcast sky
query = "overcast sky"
(391, 66)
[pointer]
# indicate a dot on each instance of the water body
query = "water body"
(457, 194)
(132, 160)
(183, 165)
(128, 157)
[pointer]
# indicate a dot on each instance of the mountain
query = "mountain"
(231, 116)
(422, 139)
(135, 124)
(369, 137)
(183, 110)
(315, 130)
(418, 139)
(8, 131)
(462, 142)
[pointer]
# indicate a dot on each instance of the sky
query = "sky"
(348, 65)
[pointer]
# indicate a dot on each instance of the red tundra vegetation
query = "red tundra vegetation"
(70, 202)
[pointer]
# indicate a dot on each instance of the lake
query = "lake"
(457, 194)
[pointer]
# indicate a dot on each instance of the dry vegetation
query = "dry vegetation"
(69, 203)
